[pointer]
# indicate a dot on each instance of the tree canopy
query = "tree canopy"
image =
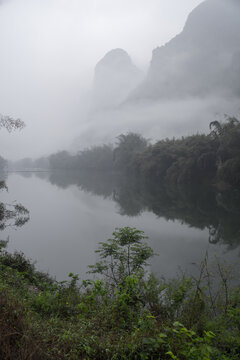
(10, 123)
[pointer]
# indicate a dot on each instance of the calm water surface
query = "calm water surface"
(69, 217)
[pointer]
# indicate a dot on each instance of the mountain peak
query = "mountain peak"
(115, 58)
(114, 78)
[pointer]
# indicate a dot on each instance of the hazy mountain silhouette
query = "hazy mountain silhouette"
(191, 80)
(114, 78)
(203, 59)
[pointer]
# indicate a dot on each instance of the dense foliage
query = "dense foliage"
(197, 158)
(135, 317)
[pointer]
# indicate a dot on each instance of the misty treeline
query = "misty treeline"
(198, 158)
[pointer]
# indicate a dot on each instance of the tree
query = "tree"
(10, 124)
(217, 128)
(122, 256)
(228, 153)
(128, 147)
(96, 158)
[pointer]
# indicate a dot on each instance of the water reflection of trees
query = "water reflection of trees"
(198, 206)
(11, 215)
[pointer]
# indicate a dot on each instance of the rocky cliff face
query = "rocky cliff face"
(203, 59)
(115, 77)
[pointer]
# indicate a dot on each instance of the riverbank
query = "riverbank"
(139, 318)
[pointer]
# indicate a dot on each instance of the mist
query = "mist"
(49, 50)
(192, 80)
(156, 120)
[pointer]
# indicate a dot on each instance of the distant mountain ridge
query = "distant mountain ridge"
(203, 59)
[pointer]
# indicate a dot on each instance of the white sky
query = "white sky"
(48, 50)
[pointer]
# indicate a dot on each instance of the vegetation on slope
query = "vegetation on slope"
(126, 313)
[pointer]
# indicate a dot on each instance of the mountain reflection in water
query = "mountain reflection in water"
(201, 207)
(71, 212)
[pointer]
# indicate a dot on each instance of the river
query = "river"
(71, 213)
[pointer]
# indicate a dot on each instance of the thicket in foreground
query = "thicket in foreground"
(125, 314)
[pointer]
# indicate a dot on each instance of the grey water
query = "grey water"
(71, 213)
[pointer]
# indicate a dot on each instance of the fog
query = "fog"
(49, 49)
(156, 120)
